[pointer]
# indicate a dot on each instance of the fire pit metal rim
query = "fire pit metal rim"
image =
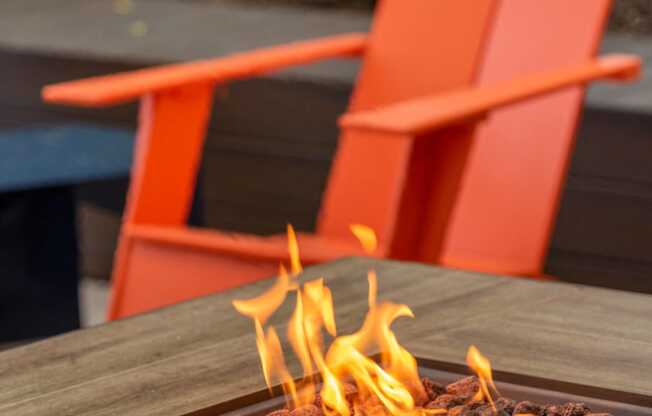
(619, 403)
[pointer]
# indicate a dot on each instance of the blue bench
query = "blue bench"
(43, 157)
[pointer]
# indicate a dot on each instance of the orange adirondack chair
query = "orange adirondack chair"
(454, 148)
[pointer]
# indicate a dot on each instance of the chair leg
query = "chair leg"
(172, 126)
(171, 131)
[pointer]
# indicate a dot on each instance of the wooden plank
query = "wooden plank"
(613, 145)
(177, 30)
(201, 353)
(605, 271)
(606, 223)
(208, 29)
(277, 183)
(314, 107)
(226, 216)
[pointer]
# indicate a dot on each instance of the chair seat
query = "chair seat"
(313, 248)
(173, 264)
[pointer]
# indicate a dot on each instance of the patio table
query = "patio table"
(193, 355)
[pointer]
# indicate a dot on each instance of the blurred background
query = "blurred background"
(60, 205)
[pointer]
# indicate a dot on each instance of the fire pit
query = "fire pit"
(343, 380)
(523, 389)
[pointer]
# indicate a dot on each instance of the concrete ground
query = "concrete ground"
(94, 297)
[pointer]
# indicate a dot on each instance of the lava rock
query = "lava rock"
(370, 406)
(458, 411)
(418, 393)
(350, 390)
(487, 410)
(553, 410)
(306, 410)
(432, 388)
(575, 409)
(446, 401)
(528, 408)
(373, 410)
(280, 412)
(455, 399)
(466, 387)
(371, 401)
(505, 405)
(475, 404)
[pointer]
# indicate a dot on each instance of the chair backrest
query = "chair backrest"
(507, 205)
(415, 48)
(482, 198)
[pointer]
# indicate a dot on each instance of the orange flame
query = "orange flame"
(369, 243)
(269, 346)
(272, 362)
(293, 248)
(482, 367)
(263, 306)
(313, 311)
(393, 385)
(366, 236)
(390, 383)
(373, 288)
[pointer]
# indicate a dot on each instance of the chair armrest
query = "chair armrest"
(118, 88)
(428, 113)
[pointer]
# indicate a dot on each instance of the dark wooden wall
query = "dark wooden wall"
(263, 168)
(604, 228)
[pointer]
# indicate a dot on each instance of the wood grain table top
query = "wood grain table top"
(196, 354)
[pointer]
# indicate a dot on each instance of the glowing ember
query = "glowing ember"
(351, 382)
